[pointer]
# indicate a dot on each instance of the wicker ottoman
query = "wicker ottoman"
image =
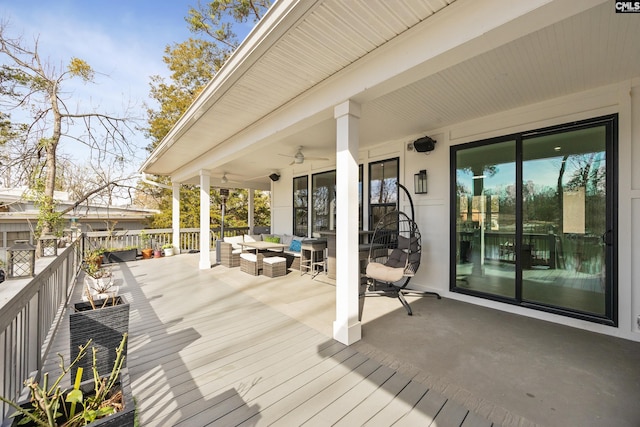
(251, 263)
(274, 266)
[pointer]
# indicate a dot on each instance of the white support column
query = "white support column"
(347, 328)
(250, 209)
(175, 217)
(205, 229)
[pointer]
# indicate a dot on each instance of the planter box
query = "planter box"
(124, 418)
(105, 326)
(121, 256)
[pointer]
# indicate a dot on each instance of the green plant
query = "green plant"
(49, 219)
(167, 246)
(92, 263)
(53, 406)
(94, 255)
(145, 239)
(123, 248)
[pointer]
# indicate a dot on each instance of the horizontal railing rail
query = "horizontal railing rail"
(189, 238)
(30, 317)
(567, 251)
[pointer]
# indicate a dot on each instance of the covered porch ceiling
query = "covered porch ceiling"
(413, 67)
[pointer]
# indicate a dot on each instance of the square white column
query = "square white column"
(347, 328)
(205, 230)
(175, 216)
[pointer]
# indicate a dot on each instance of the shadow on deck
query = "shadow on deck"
(220, 347)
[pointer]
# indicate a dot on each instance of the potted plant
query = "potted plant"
(98, 283)
(104, 401)
(124, 254)
(93, 258)
(104, 321)
(157, 253)
(147, 251)
(168, 249)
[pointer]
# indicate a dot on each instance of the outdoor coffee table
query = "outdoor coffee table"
(263, 246)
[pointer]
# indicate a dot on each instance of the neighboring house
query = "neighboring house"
(533, 200)
(19, 217)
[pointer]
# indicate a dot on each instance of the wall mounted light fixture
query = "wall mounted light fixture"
(420, 182)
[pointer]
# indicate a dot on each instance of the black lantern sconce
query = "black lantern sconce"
(48, 245)
(22, 259)
(420, 182)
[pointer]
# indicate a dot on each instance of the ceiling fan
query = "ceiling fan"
(226, 180)
(299, 158)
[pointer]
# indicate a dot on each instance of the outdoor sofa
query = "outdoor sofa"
(231, 248)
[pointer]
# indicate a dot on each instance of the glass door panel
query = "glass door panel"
(564, 201)
(486, 219)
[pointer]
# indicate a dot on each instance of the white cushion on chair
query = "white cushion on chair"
(274, 259)
(235, 241)
(249, 257)
(383, 273)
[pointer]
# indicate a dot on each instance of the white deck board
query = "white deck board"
(202, 353)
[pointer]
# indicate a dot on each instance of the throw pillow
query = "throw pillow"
(295, 246)
(272, 239)
(286, 239)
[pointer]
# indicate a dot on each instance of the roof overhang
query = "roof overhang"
(418, 66)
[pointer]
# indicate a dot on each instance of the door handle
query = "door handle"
(606, 238)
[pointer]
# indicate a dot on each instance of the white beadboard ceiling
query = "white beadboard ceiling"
(590, 49)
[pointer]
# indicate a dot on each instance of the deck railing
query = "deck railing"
(30, 316)
(189, 238)
(31, 309)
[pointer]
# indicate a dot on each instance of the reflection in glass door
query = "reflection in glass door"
(534, 219)
(564, 199)
(485, 225)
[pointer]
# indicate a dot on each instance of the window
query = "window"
(323, 193)
(323, 202)
(383, 191)
(300, 205)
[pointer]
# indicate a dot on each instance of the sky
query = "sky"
(122, 40)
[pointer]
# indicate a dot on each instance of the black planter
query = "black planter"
(124, 418)
(121, 256)
(104, 326)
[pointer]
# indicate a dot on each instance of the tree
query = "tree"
(193, 63)
(34, 89)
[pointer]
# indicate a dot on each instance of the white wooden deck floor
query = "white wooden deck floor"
(202, 353)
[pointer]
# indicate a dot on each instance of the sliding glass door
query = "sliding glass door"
(535, 219)
(485, 218)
